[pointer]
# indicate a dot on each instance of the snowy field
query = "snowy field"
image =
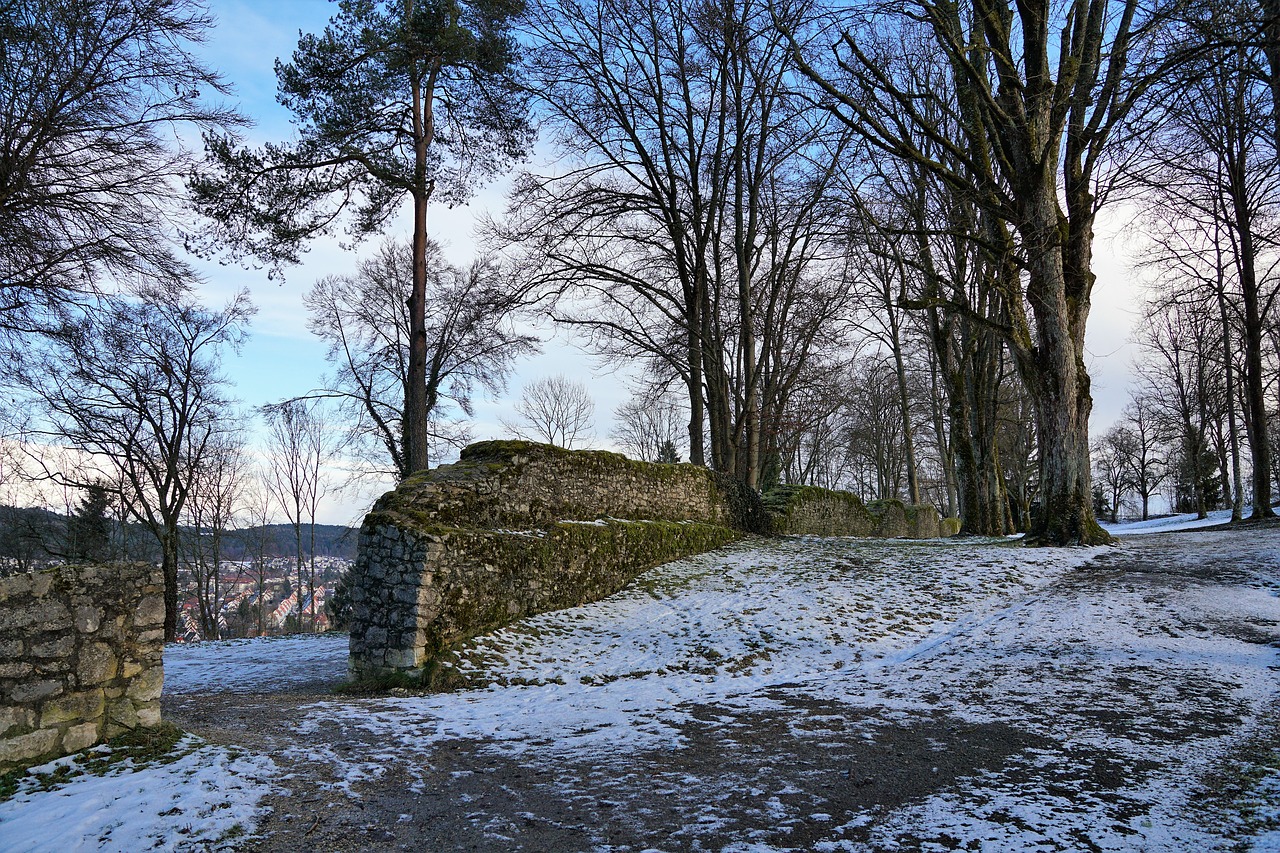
(794, 694)
(1169, 523)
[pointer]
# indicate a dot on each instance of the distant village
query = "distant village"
(243, 582)
(258, 599)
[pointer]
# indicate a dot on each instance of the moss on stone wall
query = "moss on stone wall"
(516, 528)
(809, 510)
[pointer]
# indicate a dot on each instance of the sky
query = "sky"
(283, 359)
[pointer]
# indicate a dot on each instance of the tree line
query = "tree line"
(846, 245)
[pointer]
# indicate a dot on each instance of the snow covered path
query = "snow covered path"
(802, 694)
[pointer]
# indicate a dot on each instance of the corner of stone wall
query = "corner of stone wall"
(516, 528)
(82, 650)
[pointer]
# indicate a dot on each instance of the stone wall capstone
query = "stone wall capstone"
(81, 658)
(514, 529)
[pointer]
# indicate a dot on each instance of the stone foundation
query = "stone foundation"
(80, 658)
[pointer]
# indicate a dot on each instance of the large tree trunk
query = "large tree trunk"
(169, 568)
(1059, 253)
(414, 423)
(1254, 382)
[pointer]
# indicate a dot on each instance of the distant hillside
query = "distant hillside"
(32, 536)
(277, 540)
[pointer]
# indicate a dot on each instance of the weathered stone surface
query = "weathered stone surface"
(63, 632)
(29, 748)
(123, 713)
(97, 664)
(17, 669)
(146, 686)
(72, 707)
(810, 511)
(16, 719)
(149, 613)
(88, 618)
(80, 737)
(55, 647)
(514, 529)
(34, 691)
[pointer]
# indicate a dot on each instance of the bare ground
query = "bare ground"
(1034, 730)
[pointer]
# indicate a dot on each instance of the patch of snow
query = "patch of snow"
(208, 796)
(1168, 523)
(259, 665)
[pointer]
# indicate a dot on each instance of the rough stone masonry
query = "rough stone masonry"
(81, 658)
(515, 528)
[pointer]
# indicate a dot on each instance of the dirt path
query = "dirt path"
(1126, 705)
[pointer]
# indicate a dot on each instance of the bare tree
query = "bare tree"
(471, 343)
(134, 390)
(1213, 186)
(1146, 450)
(216, 495)
(257, 506)
(555, 410)
(1041, 89)
(1113, 474)
(650, 426)
(298, 448)
(686, 232)
(91, 92)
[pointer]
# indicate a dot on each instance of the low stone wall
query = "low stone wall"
(808, 510)
(80, 658)
(514, 529)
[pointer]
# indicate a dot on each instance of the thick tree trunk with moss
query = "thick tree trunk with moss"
(1059, 254)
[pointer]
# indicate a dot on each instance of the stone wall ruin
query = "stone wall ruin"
(811, 511)
(81, 658)
(514, 529)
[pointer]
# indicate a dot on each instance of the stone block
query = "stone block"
(34, 691)
(149, 716)
(88, 618)
(97, 664)
(123, 714)
(10, 649)
(147, 685)
(40, 614)
(80, 737)
(26, 749)
(153, 636)
(130, 668)
(73, 708)
(41, 583)
(149, 612)
(54, 647)
(17, 669)
(15, 718)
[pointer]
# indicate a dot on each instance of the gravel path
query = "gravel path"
(1130, 703)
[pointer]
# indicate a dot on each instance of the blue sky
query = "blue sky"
(282, 359)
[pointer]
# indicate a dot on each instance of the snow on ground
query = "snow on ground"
(259, 665)
(1168, 523)
(206, 795)
(620, 673)
(1105, 679)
